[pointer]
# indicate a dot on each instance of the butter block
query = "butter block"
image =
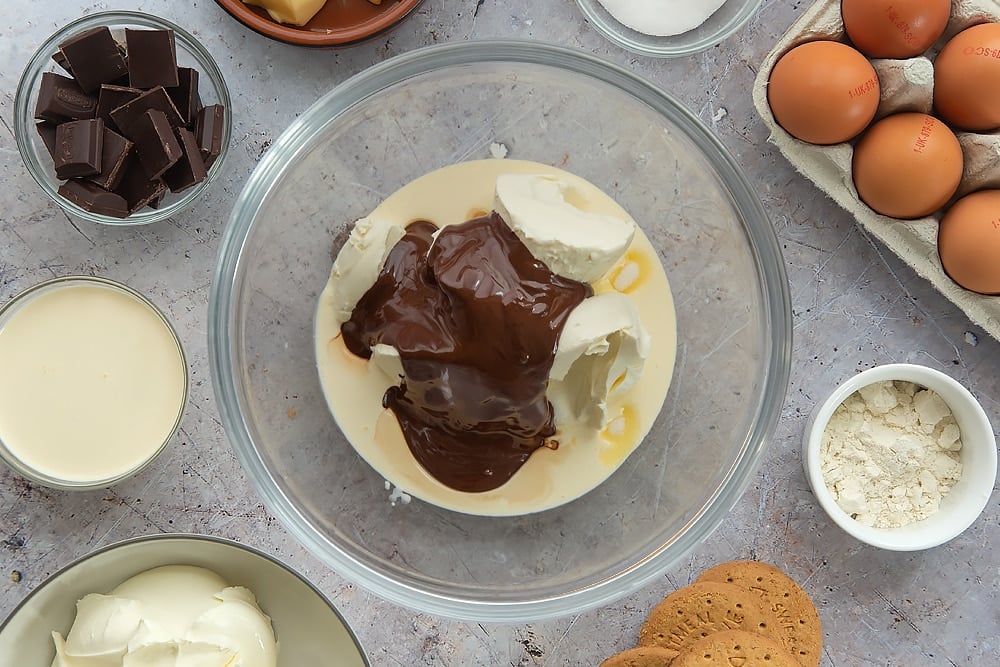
(294, 12)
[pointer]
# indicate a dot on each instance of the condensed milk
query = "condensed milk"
(93, 382)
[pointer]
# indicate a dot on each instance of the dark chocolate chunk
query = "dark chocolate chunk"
(208, 131)
(156, 98)
(136, 187)
(47, 131)
(152, 58)
(60, 59)
(79, 148)
(111, 97)
(190, 169)
(185, 94)
(155, 142)
(113, 157)
(94, 58)
(93, 198)
(61, 98)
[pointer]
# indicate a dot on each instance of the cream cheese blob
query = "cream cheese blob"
(93, 381)
(170, 616)
(613, 363)
(662, 18)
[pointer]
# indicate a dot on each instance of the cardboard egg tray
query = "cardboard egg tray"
(906, 85)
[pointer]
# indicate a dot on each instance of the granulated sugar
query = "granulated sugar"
(890, 454)
(662, 18)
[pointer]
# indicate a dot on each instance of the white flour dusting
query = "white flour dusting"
(661, 18)
(890, 453)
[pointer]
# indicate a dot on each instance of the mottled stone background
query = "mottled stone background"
(855, 305)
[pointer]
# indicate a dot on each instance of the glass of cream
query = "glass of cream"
(93, 382)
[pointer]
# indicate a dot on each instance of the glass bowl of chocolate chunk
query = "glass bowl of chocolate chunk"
(499, 330)
(122, 118)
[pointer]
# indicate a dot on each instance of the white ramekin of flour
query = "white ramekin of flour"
(901, 456)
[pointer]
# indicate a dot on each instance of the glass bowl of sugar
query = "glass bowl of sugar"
(668, 28)
(901, 456)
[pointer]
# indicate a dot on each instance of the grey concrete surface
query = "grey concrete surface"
(855, 305)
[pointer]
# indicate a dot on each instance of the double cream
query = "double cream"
(170, 616)
(93, 381)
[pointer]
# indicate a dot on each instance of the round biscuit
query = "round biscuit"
(642, 656)
(735, 647)
(795, 621)
(698, 610)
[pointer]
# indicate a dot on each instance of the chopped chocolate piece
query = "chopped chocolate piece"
(190, 169)
(94, 58)
(156, 98)
(208, 131)
(155, 143)
(60, 59)
(157, 201)
(110, 98)
(185, 94)
(61, 98)
(152, 58)
(136, 187)
(116, 151)
(95, 199)
(47, 131)
(79, 147)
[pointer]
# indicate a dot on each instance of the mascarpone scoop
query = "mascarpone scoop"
(170, 616)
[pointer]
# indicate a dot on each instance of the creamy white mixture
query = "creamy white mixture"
(92, 383)
(587, 455)
(170, 616)
(662, 18)
(890, 454)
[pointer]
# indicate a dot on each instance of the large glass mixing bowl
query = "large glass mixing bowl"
(428, 109)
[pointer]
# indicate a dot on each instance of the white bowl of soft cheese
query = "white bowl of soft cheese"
(182, 600)
(901, 456)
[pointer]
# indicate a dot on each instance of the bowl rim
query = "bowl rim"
(775, 303)
(22, 298)
(24, 120)
(662, 47)
(296, 36)
(950, 390)
(185, 537)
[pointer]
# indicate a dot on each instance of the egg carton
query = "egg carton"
(906, 85)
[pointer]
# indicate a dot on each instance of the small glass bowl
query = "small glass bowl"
(966, 500)
(11, 308)
(729, 18)
(190, 53)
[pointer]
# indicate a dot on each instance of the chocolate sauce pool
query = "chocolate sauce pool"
(476, 320)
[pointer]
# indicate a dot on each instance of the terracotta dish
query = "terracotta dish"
(338, 23)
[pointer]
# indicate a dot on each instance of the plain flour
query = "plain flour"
(890, 453)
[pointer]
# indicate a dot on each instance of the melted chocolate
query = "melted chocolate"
(476, 320)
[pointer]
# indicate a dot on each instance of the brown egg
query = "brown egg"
(823, 92)
(967, 79)
(969, 242)
(907, 165)
(894, 28)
